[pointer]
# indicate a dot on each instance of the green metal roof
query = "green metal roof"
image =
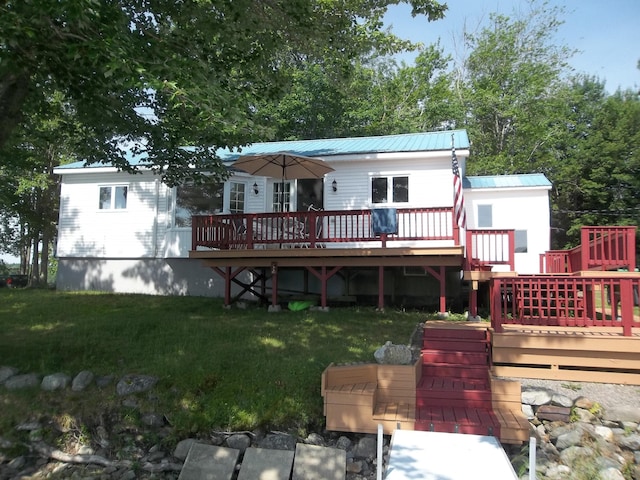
(409, 142)
(507, 181)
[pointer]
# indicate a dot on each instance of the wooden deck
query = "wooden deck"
(450, 389)
(466, 380)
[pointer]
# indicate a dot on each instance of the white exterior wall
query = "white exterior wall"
(133, 232)
(523, 208)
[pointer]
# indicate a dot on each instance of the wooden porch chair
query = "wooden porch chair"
(318, 229)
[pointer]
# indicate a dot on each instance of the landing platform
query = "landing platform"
(437, 455)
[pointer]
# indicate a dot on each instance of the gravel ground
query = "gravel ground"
(606, 394)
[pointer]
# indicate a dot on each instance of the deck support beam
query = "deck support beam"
(380, 287)
(473, 299)
(274, 285)
(323, 275)
(441, 278)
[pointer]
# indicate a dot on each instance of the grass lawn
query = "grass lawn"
(218, 369)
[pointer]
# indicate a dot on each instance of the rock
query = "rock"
(7, 372)
(28, 426)
(314, 439)
(182, 449)
(104, 381)
(279, 441)
(354, 467)
(610, 473)
(604, 432)
(390, 354)
(82, 380)
(528, 411)
(553, 412)
(366, 448)
(239, 441)
(17, 463)
(152, 420)
(576, 454)
(343, 443)
(622, 414)
(630, 442)
(561, 400)
(27, 380)
(582, 415)
(583, 402)
(536, 397)
(55, 381)
(132, 383)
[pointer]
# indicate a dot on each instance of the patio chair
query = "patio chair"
(319, 221)
(239, 240)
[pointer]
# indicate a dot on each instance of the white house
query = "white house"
(131, 233)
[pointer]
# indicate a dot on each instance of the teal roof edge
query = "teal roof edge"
(407, 142)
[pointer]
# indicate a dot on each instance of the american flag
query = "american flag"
(458, 198)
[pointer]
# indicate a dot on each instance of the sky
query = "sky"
(607, 34)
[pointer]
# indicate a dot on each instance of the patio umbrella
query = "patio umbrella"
(283, 165)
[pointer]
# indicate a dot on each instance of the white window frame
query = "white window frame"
(521, 241)
(229, 192)
(112, 197)
(289, 185)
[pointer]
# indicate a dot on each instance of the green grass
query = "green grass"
(218, 369)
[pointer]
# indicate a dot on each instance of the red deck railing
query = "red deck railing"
(565, 301)
(488, 247)
(314, 229)
(601, 248)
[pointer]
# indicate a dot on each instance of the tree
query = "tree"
(509, 91)
(29, 191)
(156, 75)
(376, 98)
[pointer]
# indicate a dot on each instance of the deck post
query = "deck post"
(440, 276)
(473, 299)
(380, 287)
(274, 285)
(324, 277)
(626, 306)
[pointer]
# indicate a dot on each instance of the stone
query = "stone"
(82, 380)
(239, 441)
(622, 414)
(182, 448)
(367, 447)
(343, 443)
(314, 439)
(528, 412)
(131, 383)
(153, 420)
(604, 432)
(561, 400)
(104, 381)
(582, 415)
(313, 462)
(536, 397)
(27, 380)
(265, 464)
(610, 473)
(7, 372)
(209, 462)
(630, 442)
(278, 441)
(553, 412)
(583, 402)
(390, 354)
(55, 381)
(576, 453)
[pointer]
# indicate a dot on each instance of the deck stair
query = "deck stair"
(454, 393)
(450, 390)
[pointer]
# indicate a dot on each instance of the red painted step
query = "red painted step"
(455, 357)
(453, 394)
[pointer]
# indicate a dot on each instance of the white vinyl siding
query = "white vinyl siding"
(85, 230)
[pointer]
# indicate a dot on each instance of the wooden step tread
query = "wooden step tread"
(457, 415)
(394, 411)
(451, 383)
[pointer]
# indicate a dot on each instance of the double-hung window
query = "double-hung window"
(113, 197)
(390, 189)
(236, 197)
